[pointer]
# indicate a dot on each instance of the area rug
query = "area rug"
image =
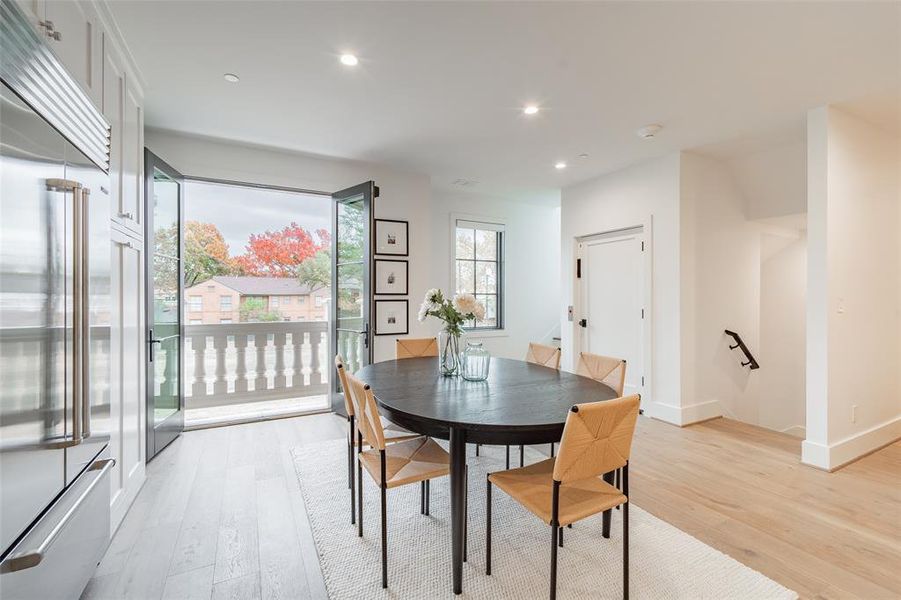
(665, 561)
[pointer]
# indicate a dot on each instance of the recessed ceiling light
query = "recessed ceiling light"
(649, 131)
(231, 78)
(560, 165)
(530, 109)
(349, 60)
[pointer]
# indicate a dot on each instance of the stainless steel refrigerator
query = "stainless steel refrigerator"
(54, 336)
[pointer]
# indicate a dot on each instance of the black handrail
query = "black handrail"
(739, 343)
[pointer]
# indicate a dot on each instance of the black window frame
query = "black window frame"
(501, 238)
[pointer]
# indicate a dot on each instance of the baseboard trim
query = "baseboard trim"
(833, 457)
(685, 415)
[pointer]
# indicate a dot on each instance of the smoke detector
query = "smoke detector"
(649, 131)
(464, 182)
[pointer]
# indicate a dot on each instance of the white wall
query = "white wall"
(783, 306)
(720, 290)
(645, 194)
(707, 277)
(532, 265)
(532, 228)
(854, 299)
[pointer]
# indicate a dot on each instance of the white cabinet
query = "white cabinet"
(127, 414)
(131, 207)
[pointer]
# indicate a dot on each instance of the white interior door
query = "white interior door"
(612, 296)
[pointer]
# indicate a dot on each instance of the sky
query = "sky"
(239, 211)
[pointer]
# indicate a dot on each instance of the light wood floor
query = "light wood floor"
(221, 514)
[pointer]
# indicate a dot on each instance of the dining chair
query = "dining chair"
(393, 433)
(417, 460)
(415, 347)
(546, 356)
(597, 439)
(607, 370)
(604, 369)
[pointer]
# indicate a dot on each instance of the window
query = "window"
(195, 303)
(319, 301)
(479, 267)
(273, 302)
(301, 299)
(195, 322)
(224, 321)
(225, 302)
(286, 300)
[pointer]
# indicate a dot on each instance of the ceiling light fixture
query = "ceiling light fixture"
(530, 109)
(583, 155)
(349, 60)
(649, 131)
(560, 165)
(231, 78)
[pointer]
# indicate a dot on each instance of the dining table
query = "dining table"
(520, 403)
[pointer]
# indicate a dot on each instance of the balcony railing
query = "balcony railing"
(238, 363)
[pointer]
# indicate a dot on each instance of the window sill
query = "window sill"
(485, 333)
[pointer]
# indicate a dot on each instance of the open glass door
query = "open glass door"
(164, 194)
(351, 291)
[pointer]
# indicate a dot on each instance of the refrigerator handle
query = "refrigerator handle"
(32, 558)
(85, 337)
(66, 186)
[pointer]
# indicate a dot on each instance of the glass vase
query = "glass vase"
(475, 362)
(448, 353)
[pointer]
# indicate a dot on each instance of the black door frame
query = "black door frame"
(369, 192)
(160, 436)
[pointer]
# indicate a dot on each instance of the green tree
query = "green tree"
(206, 253)
(253, 309)
(316, 271)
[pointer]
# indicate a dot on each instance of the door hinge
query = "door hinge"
(642, 381)
(642, 246)
(642, 313)
(578, 268)
(375, 191)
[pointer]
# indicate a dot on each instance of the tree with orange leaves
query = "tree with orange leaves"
(279, 253)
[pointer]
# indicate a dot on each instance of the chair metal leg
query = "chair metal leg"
(488, 528)
(617, 477)
(626, 551)
(477, 448)
(350, 469)
(554, 530)
(560, 535)
(428, 496)
(552, 449)
(522, 455)
(359, 487)
(422, 497)
(384, 525)
(508, 457)
(625, 471)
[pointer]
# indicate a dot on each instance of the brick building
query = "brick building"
(218, 300)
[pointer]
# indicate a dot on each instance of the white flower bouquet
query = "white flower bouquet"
(454, 313)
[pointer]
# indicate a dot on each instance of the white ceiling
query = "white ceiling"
(440, 86)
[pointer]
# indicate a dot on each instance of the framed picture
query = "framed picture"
(391, 317)
(391, 237)
(391, 277)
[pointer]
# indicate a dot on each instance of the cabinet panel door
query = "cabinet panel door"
(132, 161)
(76, 46)
(127, 389)
(113, 99)
(34, 10)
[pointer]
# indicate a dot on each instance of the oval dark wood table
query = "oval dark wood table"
(520, 403)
